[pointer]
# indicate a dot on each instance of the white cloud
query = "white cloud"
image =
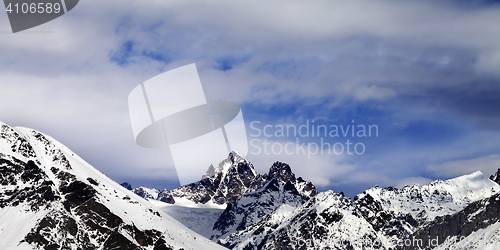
(487, 164)
(64, 83)
(315, 38)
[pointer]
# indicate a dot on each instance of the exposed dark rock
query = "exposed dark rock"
(18, 144)
(58, 156)
(496, 177)
(166, 197)
(161, 244)
(76, 193)
(93, 181)
(118, 241)
(331, 217)
(38, 195)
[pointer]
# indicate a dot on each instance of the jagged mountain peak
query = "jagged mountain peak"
(282, 171)
(210, 172)
(233, 177)
(233, 160)
(225, 183)
(289, 226)
(236, 157)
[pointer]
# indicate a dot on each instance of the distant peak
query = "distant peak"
(232, 160)
(477, 173)
(126, 185)
(210, 172)
(234, 152)
(472, 176)
(281, 171)
(234, 156)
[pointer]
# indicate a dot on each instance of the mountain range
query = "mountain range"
(276, 210)
(52, 199)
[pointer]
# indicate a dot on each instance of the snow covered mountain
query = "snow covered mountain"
(422, 204)
(232, 178)
(279, 211)
(248, 195)
(52, 199)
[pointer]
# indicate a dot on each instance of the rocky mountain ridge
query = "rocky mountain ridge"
(277, 188)
(279, 211)
(231, 179)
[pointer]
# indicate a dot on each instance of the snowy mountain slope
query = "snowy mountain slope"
(52, 199)
(258, 195)
(200, 219)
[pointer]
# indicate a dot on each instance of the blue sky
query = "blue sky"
(425, 73)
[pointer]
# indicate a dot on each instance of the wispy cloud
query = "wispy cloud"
(429, 67)
(487, 164)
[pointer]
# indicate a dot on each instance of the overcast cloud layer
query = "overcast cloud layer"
(425, 73)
